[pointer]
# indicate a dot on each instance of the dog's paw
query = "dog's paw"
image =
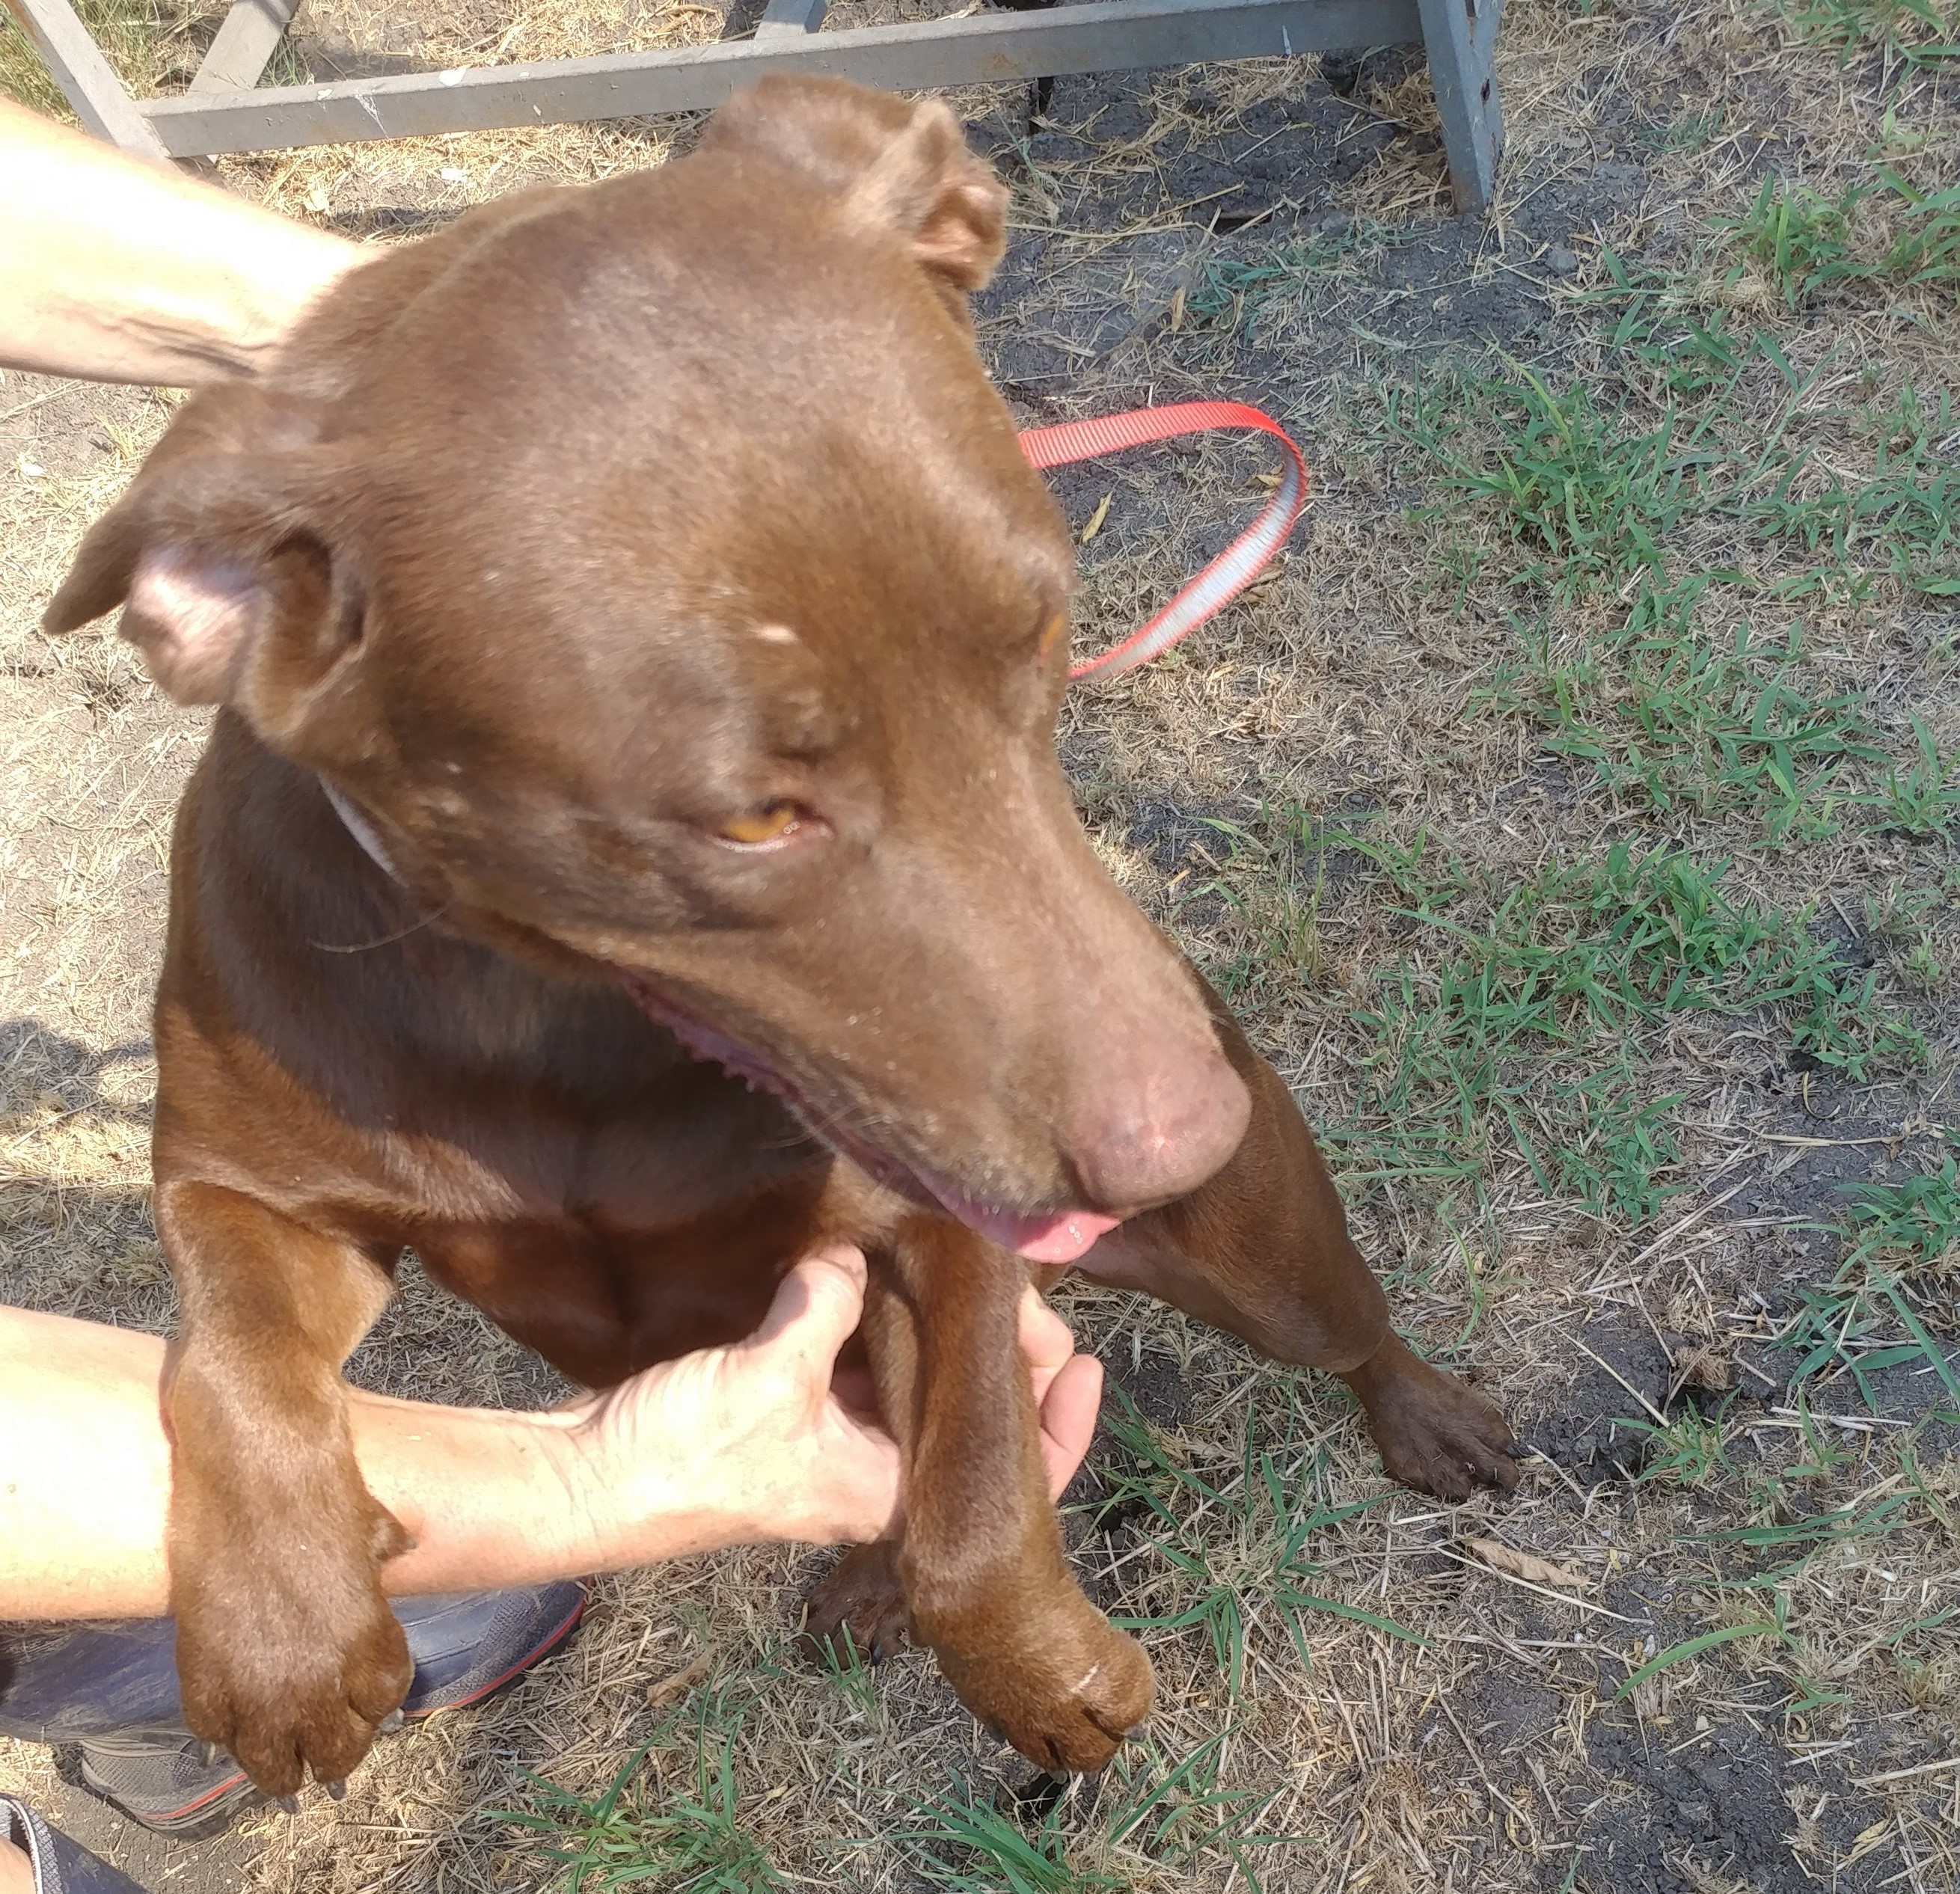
(291, 1664)
(1436, 1432)
(1064, 1693)
(320, 1708)
(859, 1605)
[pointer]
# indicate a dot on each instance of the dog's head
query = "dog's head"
(653, 565)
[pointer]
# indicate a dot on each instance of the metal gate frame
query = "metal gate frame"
(225, 109)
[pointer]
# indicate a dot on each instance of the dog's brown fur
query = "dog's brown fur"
(559, 544)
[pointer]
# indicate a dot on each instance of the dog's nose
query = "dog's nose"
(1162, 1128)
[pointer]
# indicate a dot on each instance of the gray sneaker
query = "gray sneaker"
(111, 1690)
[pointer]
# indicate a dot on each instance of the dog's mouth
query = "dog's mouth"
(1051, 1236)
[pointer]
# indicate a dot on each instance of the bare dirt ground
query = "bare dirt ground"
(1573, 816)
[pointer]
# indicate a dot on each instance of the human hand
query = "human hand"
(1068, 1389)
(752, 1442)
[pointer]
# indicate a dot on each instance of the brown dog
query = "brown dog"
(639, 591)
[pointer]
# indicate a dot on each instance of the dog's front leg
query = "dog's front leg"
(287, 1655)
(1262, 1250)
(980, 1560)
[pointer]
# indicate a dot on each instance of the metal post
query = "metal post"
(783, 17)
(245, 41)
(1460, 37)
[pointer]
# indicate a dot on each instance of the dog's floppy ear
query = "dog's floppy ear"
(897, 166)
(217, 554)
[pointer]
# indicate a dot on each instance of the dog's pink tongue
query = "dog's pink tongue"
(1057, 1239)
(1065, 1238)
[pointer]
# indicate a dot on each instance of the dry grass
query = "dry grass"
(1595, 1112)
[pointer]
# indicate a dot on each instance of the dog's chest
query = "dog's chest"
(466, 1096)
(614, 1209)
(638, 1161)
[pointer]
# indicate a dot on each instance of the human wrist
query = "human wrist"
(490, 1497)
(223, 324)
(646, 1475)
(486, 1497)
(268, 305)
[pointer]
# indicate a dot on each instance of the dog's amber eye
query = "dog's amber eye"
(1054, 632)
(770, 823)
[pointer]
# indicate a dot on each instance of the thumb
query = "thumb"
(817, 1306)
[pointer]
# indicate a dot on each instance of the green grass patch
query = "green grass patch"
(1803, 239)
(1232, 293)
(1510, 1028)
(1690, 1449)
(970, 1847)
(1261, 1561)
(1791, 1552)
(1899, 521)
(638, 1833)
(1871, 1315)
(1691, 132)
(1588, 499)
(140, 39)
(23, 76)
(1623, 497)
(1923, 800)
(1640, 527)
(1693, 1647)
(1918, 32)
(1808, 243)
(1149, 1813)
(1677, 723)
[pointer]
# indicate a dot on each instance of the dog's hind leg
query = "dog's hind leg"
(287, 1655)
(980, 1563)
(1262, 1250)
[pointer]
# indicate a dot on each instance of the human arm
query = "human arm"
(726, 1446)
(115, 269)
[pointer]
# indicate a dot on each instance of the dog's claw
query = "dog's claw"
(338, 1790)
(208, 1754)
(389, 1724)
(291, 1803)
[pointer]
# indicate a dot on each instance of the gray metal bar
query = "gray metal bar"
(84, 76)
(1460, 36)
(248, 38)
(781, 18)
(991, 48)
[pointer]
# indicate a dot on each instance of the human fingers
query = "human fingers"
(851, 1488)
(816, 1307)
(1045, 1338)
(1068, 1410)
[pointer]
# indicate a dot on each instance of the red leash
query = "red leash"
(1235, 568)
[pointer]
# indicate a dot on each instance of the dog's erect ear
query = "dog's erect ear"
(935, 192)
(897, 166)
(216, 553)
